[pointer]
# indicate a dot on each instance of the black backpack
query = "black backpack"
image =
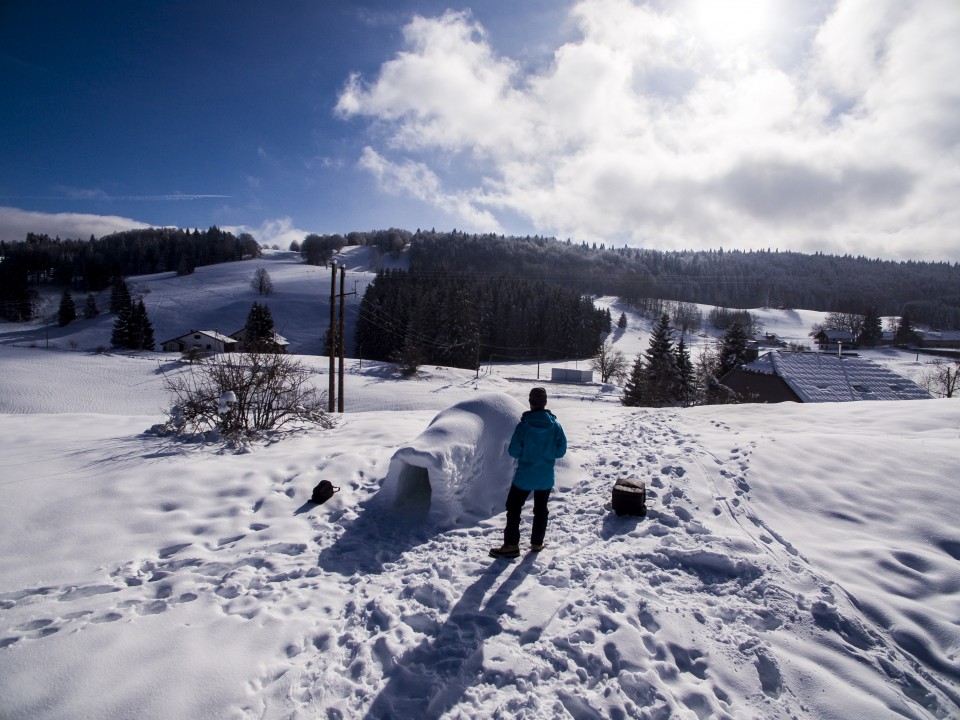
(323, 492)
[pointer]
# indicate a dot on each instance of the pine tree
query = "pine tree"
(872, 332)
(120, 337)
(68, 311)
(259, 327)
(686, 374)
(119, 295)
(906, 335)
(635, 389)
(622, 322)
(90, 309)
(132, 328)
(663, 376)
(140, 329)
(733, 351)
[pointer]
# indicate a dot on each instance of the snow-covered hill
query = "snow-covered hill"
(796, 561)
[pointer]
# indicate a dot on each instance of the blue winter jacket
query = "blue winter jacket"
(537, 442)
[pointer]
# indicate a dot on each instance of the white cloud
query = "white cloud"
(16, 223)
(660, 125)
(418, 181)
(277, 231)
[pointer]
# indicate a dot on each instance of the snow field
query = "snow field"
(743, 593)
(796, 561)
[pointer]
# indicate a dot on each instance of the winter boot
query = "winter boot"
(505, 551)
(536, 547)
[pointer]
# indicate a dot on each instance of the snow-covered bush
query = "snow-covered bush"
(241, 395)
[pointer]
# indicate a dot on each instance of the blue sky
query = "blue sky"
(830, 125)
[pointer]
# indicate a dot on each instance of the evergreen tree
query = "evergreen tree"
(686, 374)
(186, 266)
(663, 376)
(119, 295)
(635, 389)
(90, 309)
(132, 329)
(733, 350)
(68, 311)
(622, 322)
(120, 337)
(872, 332)
(140, 329)
(259, 329)
(906, 334)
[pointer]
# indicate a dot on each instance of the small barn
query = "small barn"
(205, 340)
(816, 377)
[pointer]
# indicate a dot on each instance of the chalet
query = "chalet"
(817, 377)
(205, 340)
(278, 345)
(771, 340)
(834, 340)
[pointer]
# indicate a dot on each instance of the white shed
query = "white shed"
(571, 376)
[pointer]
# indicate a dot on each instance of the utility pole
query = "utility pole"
(340, 336)
(332, 336)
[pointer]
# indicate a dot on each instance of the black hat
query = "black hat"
(538, 397)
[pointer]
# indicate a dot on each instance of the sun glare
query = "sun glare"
(730, 23)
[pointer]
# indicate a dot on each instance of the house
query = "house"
(279, 344)
(834, 340)
(206, 340)
(772, 340)
(817, 377)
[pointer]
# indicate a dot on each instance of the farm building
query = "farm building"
(816, 377)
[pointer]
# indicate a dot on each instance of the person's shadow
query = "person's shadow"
(431, 678)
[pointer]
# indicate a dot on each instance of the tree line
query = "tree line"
(462, 320)
(319, 249)
(94, 264)
(734, 279)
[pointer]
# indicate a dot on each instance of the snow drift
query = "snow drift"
(458, 469)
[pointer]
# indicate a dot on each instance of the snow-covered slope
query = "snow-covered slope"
(797, 561)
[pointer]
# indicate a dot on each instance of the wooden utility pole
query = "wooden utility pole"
(340, 342)
(332, 336)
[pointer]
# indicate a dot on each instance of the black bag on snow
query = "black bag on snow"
(323, 492)
(630, 497)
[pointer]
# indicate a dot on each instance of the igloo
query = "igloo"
(457, 471)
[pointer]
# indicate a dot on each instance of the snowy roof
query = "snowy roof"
(209, 333)
(277, 337)
(816, 377)
(941, 335)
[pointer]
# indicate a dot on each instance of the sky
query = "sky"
(809, 125)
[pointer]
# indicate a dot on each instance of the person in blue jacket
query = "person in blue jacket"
(537, 442)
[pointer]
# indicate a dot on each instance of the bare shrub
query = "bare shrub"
(941, 378)
(242, 395)
(610, 363)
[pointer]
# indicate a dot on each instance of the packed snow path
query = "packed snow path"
(692, 608)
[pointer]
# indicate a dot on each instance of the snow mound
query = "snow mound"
(457, 470)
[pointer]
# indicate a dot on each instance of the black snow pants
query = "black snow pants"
(515, 500)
